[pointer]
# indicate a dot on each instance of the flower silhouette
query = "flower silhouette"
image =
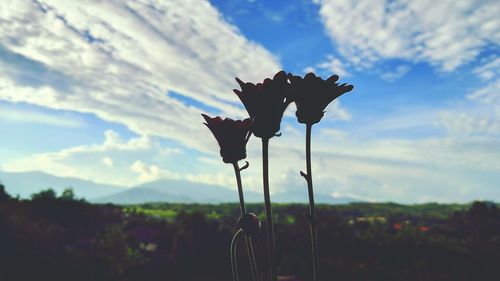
(232, 136)
(313, 94)
(265, 103)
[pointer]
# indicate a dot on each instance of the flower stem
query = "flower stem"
(248, 240)
(251, 257)
(312, 214)
(268, 209)
(234, 261)
(240, 187)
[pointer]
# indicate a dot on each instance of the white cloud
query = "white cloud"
(336, 112)
(152, 172)
(112, 142)
(390, 169)
(444, 33)
(35, 117)
(333, 133)
(309, 69)
(213, 178)
(107, 161)
(482, 113)
(121, 58)
(400, 170)
(489, 94)
(79, 161)
(490, 69)
(479, 121)
(121, 157)
(334, 66)
(394, 75)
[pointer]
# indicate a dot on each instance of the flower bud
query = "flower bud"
(250, 224)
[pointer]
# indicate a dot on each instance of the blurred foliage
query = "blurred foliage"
(52, 237)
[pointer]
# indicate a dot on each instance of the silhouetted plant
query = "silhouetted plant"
(68, 194)
(312, 95)
(266, 103)
(3, 194)
(44, 195)
(232, 136)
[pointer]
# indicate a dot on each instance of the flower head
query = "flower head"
(313, 94)
(232, 136)
(265, 103)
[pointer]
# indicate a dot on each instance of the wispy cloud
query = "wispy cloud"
(126, 163)
(489, 93)
(35, 117)
(489, 69)
(107, 161)
(444, 33)
(151, 172)
(398, 72)
(333, 65)
(400, 170)
(127, 56)
(88, 161)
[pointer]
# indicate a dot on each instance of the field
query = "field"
(54, 237)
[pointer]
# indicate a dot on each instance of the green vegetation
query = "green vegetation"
(59, 237)
(285, 212)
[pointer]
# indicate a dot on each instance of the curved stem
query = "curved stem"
(269, 213)
(234, 262)
(248, 240)
(240, 187)
(312, 213)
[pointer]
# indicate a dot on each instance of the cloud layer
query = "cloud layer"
(444, 33)
(119, 59)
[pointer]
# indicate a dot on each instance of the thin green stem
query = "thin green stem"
(312, 212)
(269, 213)
(248, 240)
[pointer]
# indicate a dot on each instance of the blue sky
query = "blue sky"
(112, 92)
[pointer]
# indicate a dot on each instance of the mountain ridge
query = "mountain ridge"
(165, 190)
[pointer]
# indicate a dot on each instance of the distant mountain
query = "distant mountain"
(142, 195)
(27, 183)
(328, 199)
(174, 191)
